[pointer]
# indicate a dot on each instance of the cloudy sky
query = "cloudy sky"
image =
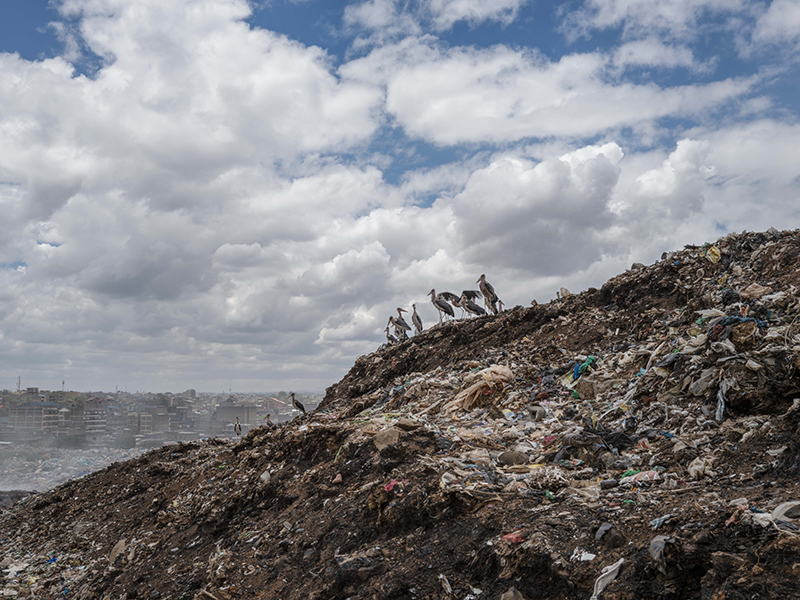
(237, 194)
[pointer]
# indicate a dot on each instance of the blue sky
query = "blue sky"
(196, 193)
(23, 29)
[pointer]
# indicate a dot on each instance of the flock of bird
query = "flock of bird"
(444, 302)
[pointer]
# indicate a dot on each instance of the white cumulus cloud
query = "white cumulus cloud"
(452, 96)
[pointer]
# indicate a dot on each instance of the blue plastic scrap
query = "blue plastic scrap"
(720, 412)
(730, 320)
(656, 523)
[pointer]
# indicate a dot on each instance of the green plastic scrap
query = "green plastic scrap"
(586, 364)
(549, 495)
(629, 472)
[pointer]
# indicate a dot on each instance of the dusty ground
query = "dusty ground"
(430, 507)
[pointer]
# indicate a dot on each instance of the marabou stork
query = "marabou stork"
(467, 302)
(451, 298)
(489, 295)
(441, 305)
(400, 321)
(416, 320)
(297, 404)
(398, 330)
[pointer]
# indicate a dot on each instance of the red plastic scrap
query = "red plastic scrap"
(734, 518)
(390, 486)
(515, 537)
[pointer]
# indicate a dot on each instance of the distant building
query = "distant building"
(179, 420)
(117, 418)
(276, 406)
(95, 419)
(35, 417)
(140, 422)
(57, 396)
(159, 417)
(228, 411)
(133, 421)
(145, 424)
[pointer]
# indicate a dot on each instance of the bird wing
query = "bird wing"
(400, 322)
(471, 294)
(474, 308)
(450, 297)
(444, 306)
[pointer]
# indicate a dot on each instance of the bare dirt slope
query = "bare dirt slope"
(649, 426)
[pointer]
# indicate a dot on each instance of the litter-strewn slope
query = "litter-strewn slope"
(647, 428)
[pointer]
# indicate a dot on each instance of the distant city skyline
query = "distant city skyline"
(164, 391)
(238, 194)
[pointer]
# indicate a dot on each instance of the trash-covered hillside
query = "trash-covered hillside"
(634, 441)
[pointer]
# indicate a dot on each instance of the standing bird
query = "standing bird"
(390, 339)
(416, 320)
(500, 304)
(467, 302)
(237, 428)
(400, 321)
(468, 297)
(398, 330)
(489, 295)
(440, 305)
(451, 298)
(297, 404)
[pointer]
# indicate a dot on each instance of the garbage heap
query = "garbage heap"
(634, 441)
(39, 467)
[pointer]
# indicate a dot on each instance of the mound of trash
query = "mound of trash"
(634, 441)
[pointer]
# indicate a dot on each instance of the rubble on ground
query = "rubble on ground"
(634, 441)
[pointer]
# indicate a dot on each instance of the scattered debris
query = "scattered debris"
(529, 454)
